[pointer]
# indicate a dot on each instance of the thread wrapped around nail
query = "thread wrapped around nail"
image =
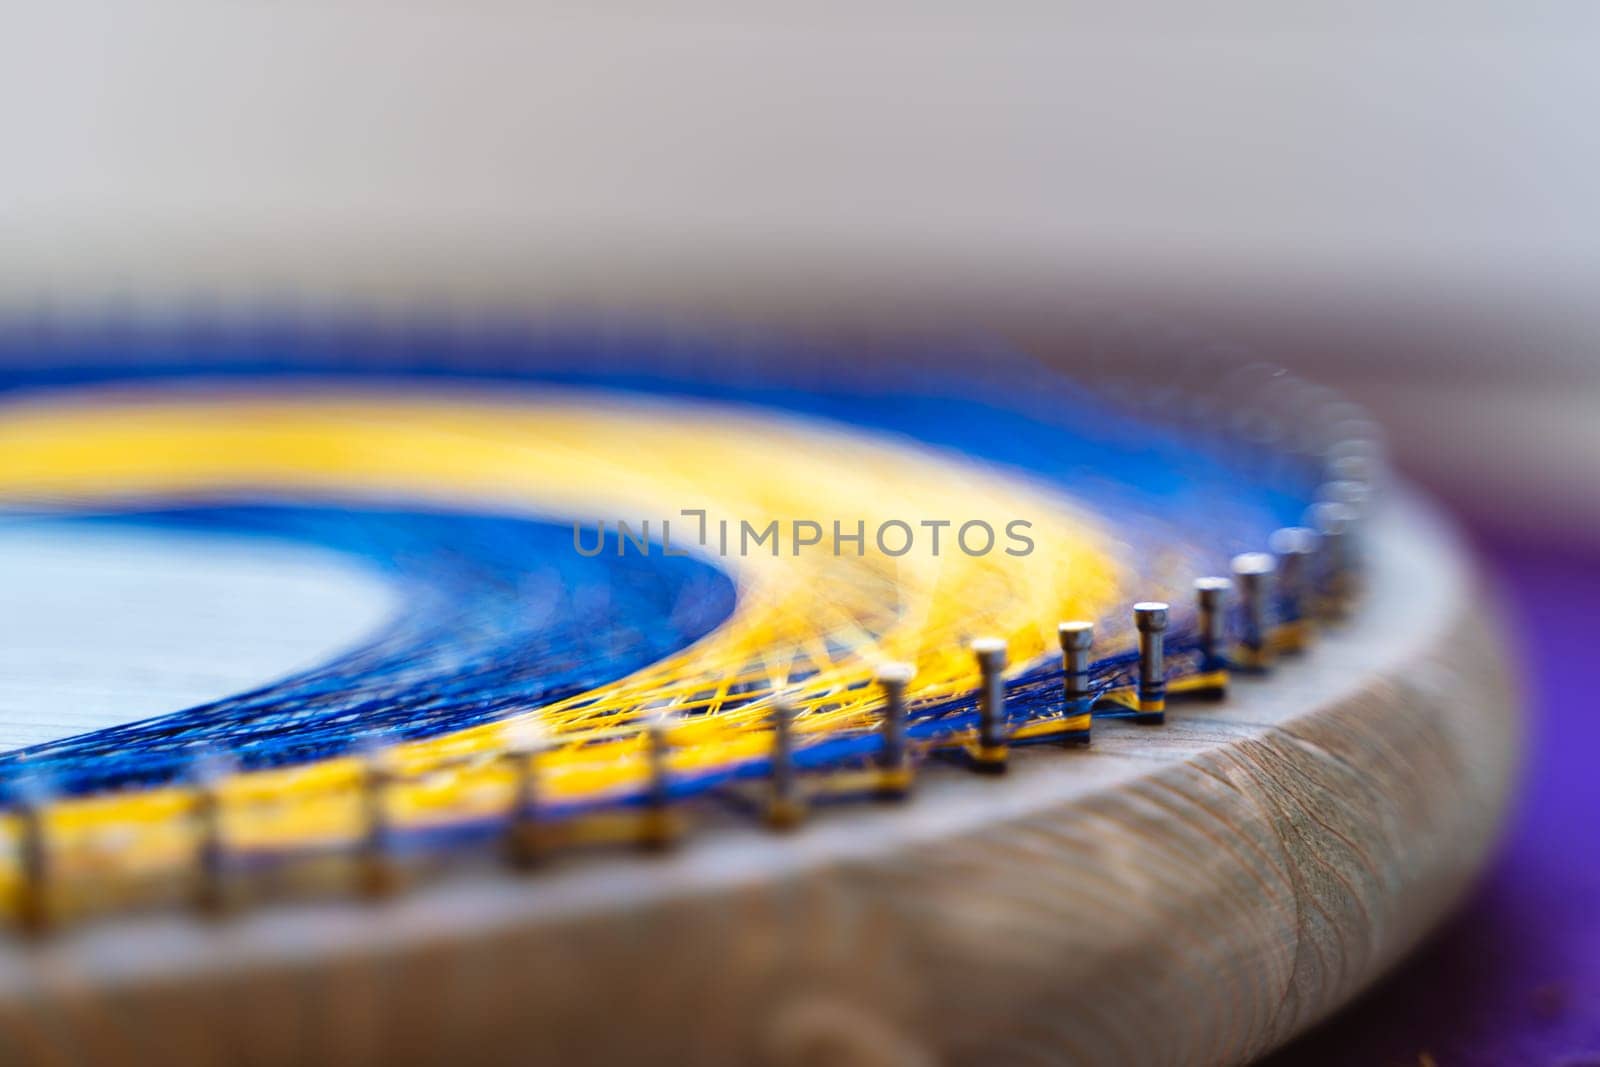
(1150, 618)
(704, 612)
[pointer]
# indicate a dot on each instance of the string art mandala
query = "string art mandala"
(566, 589)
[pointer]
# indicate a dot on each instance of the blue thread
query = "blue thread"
(458, 655)
(498, 614)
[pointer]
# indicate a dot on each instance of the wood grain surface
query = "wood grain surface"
(1194, 893)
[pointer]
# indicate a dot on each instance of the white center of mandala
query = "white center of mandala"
(109, 625)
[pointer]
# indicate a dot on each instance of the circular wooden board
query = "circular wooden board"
(1194, 893)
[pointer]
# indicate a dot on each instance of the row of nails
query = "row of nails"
(1286, 583)
(1310, 572)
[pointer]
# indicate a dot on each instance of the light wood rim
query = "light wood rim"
(1196, 893)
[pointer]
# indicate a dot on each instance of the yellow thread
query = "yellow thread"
(1199, 683)
(1292, 636)
(566, 454)
(1038, 728)
(1123, 697)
